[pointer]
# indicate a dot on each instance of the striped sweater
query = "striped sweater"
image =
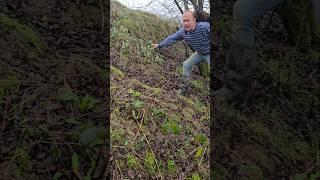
(198, 39)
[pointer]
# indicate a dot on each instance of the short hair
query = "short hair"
(192, 12)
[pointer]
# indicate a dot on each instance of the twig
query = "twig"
(167, 81)
(119, 168)
(13, 68)
(153, 154)
(202, 156)
(3, 126)
(102, 16)
(140, 124)
(63, 143)
(175, 148)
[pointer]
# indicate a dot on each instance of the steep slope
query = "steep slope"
(53, 79)
(154, 132)
(277, 135)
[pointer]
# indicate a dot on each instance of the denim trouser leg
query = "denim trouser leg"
(244, 13)
(316, 8)
(194, 59)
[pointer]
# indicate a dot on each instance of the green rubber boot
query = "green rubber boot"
(184, 86)
(239, 75)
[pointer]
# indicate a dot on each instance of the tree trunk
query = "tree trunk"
(200, 2)
(301, 24)
(185, 3)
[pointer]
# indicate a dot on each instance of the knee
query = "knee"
(186, 65)
(242, 9)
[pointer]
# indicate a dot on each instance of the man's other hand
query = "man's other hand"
(155, 46)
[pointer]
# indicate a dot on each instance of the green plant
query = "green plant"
(132, 161)
(92, 136)
(197, 84)
(134, 93)
(194, 176)
(125, 47)
(117, 135)
(68, 96)
(150, 162)
(199, 152)
(146, 50)
(57, 175)
(27, 34)
(86, 103)
(75, 162)
(171, 166)
(117, 72)
(201, 139)
(20, 162)
(171, 126)
(159, 113)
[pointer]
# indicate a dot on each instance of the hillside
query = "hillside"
(154, 132)
(53, 84)
(277, 134)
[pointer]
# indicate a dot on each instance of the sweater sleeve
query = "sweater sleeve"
(172, 39)
(207, 25)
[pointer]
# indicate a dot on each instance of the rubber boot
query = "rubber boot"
(239, 71)
(183, 87)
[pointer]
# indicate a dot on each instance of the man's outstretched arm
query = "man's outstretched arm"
(170, 40)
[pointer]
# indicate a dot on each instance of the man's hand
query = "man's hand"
(155, 46)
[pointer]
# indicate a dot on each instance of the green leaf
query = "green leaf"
(75, 162)
(171, 166)
(57, 175)
(134, 114)
(174, 127)
(91, 135)
(199, 152)
(195, 176)
(134, 93)
(68, 96)
(137, 104)
(201, 138)
(87, 103)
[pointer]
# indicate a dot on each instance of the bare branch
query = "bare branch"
(145, 5)
(177, 4)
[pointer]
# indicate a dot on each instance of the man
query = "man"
(240, 62)
(196, 34)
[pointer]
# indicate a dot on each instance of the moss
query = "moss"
(117, 72)
(28, 36)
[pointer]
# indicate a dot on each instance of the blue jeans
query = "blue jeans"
(194, 59)
(244, 13)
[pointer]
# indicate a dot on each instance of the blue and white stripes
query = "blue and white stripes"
(198, 39)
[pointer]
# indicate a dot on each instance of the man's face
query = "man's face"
(189, 22)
